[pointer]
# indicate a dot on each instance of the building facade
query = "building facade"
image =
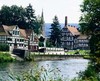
(3, 35)
(72, 39)
(18, 38)
(83, 42)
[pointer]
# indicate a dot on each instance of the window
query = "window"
(69, 38)
(21, 40)
(9, 39)
(13, 32)
(19, 44)
(65, 38)
(10, 44)
(72, 43)
(67, 34)
(18, 32)
(0, 38)
(16, 27)
(3, 37)
(17, 39)
(72, 38)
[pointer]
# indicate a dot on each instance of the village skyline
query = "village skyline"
(69, 8)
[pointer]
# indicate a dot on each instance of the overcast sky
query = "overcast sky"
(61, 8)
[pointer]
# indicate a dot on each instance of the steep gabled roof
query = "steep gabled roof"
(25, 32)
(73, 30)
(8, 28)
(3, 31)
(82, 37)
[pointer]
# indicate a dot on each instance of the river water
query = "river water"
(68, 68)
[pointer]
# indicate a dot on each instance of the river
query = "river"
(69, 68)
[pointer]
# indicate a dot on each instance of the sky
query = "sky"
(60, 8)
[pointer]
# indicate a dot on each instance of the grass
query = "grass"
(81, 52)
(5, 57)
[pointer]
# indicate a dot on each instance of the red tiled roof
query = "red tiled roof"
(73, 30)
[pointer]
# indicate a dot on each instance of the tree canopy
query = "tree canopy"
(12, 15)
(90, 22)
(90, 25)
(23, 17)
(55, 36)
(90, 19)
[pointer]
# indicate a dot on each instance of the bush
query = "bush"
(88, 75)
(4, 47)
(41, 44)
(5, 57)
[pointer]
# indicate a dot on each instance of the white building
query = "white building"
(18, 38)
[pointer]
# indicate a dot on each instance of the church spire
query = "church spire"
(43, 28)
(42, 17)
(42, 23)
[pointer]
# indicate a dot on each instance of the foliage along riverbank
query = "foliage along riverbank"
(6, 57)
(38, 74)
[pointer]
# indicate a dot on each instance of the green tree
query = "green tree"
(4, 47)
(23, 17)
(48, 43)
(55, 36)
(38, 25)
(33, 22)
(30, 17)
(90, 25)
(41, 41)
(90, 21)
(12, 15)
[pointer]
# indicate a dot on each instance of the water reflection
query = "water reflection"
(69, 68)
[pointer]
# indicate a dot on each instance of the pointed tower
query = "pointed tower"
(43, 28)
(42, 24)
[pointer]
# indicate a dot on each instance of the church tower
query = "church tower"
(42, 25)
(42, 29)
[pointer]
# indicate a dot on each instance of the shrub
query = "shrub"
(41, 44)
(88, 75)
(4, 47)
(5, 57)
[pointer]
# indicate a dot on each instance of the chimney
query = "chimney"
(65, 20)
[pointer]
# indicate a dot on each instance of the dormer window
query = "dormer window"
(15, 32)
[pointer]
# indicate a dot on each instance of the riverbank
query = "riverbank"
(6, 57)
(58, 56)
(51, 55)
(41, 56)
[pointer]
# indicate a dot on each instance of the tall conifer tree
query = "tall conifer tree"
(55, 36)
